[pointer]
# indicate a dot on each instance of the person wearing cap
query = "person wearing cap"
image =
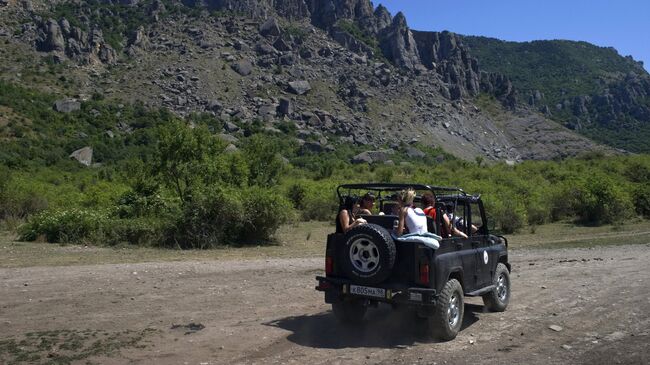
(365, 204)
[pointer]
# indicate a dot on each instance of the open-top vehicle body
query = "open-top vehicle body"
(368, 264)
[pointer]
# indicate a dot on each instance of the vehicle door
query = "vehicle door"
(465, 249)
(485, 256)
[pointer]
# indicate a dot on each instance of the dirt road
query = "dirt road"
(266, 311)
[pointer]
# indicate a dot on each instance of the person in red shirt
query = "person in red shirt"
(429, 205)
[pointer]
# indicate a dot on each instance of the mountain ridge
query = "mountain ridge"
(177, 58)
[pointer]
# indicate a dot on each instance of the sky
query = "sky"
(622, 24)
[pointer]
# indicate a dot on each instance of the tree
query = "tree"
(186, 157)
(264, 161)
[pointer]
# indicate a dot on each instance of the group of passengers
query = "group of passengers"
(411, 217)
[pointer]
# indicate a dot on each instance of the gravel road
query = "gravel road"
(267, 312)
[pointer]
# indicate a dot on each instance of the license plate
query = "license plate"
(368, 291)
(415, 296)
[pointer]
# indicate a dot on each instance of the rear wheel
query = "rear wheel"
(497, 299)
(349, 311)
(450, 308)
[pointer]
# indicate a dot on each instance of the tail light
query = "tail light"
(329, 265)
(424, 273)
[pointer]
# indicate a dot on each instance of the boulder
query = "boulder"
(413, 152)
(67, 106)
(83, 155)
(228, 138)
(285, 107)
(370, 157)
(231, 127)
(243, 67)
(314, 147)
(282, 45)
(264, 48)
(215, 106)
(299, 87)
(270, 28)
(231, 148)
(267, 112)
(363, 157)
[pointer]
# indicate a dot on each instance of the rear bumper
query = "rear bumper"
(337, 289)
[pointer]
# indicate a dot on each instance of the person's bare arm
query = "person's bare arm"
(402, 219)
(458, 232)
(344, 219)
(447, 223)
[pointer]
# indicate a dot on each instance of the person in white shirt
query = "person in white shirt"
(410, 217)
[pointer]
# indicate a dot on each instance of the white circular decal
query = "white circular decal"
(485, 257)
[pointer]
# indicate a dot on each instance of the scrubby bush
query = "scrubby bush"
(599, 200)
(65, 226)
(642, 200)
(507, 215)
(149, 232)
(265, 211)
(209, 219)
(223, 216)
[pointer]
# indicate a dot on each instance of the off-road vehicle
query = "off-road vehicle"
(369, 265)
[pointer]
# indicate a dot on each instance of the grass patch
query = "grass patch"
(295, 241)
(566, 235)
(68, 346)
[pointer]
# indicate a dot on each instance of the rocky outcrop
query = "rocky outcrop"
(398, 44)
(63, 39)
(50, 37)
(501, 87)
(612, 107)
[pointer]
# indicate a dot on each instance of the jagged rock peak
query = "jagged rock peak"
(382, 17)
(398, 44)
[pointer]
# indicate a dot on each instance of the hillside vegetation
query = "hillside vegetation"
(164, 183)
(591, 89)
(559, 69)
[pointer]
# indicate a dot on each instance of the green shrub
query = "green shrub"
(507, 215)
(65, 226)
(296, 195)
(149, 232)
(599, 200)
(209, 219)
(265, 210)
(642, 200)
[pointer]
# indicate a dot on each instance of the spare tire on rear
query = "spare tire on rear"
(368, 255)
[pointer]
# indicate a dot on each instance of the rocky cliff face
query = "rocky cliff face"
(626, 97)
(338, 72)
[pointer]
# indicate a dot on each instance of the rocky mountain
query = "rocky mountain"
(592, 90)
(337, 71)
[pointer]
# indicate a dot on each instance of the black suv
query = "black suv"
(367, 265)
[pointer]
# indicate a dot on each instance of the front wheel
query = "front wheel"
(497, 299)
(349, 311)
(450, 308)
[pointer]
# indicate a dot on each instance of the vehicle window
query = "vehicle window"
(477, 220)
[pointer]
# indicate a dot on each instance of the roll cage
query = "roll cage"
(385, 194)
